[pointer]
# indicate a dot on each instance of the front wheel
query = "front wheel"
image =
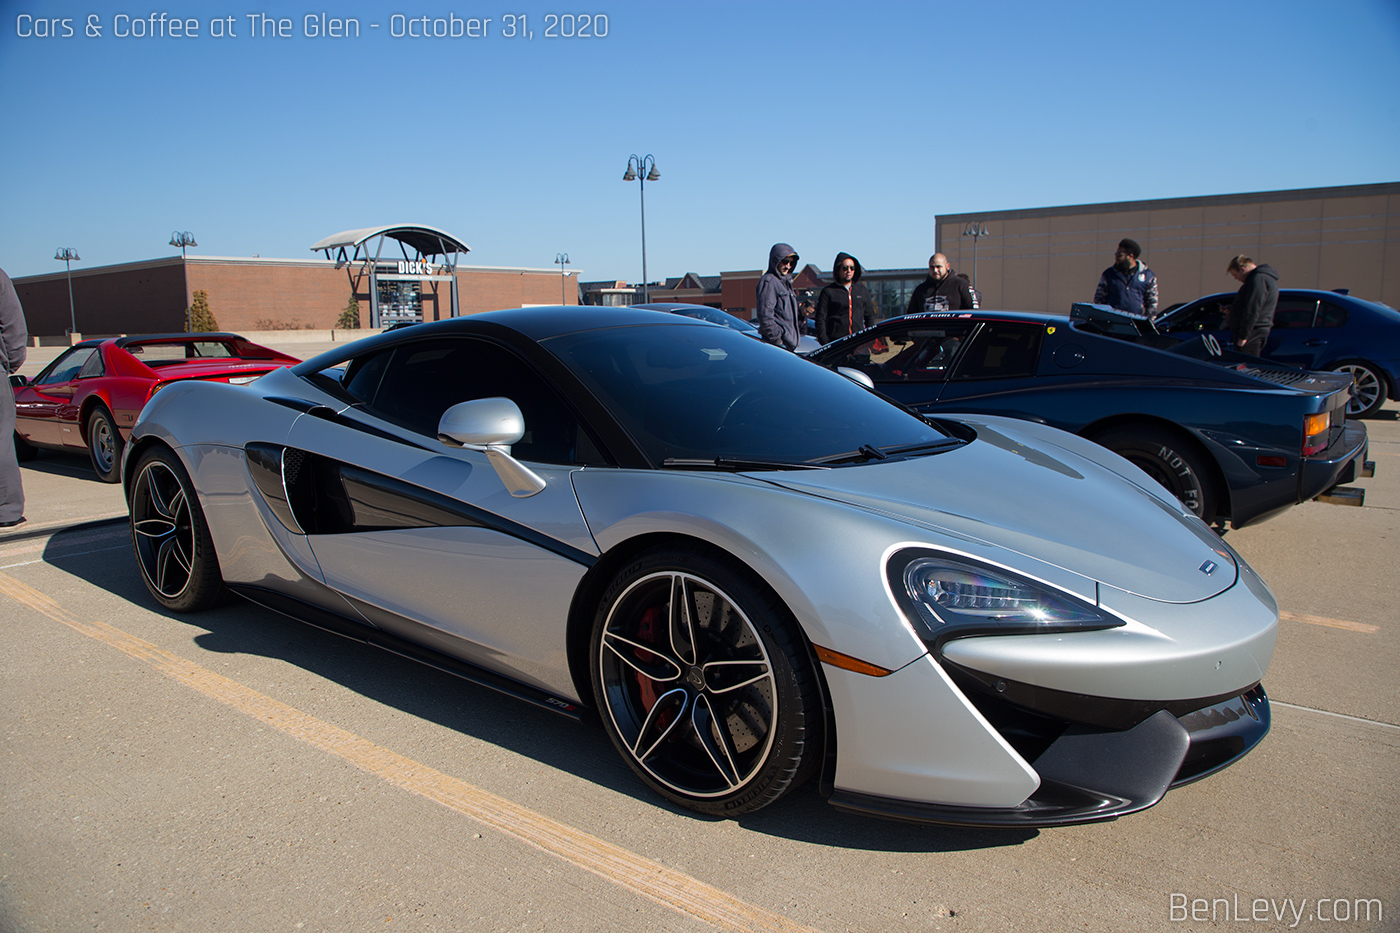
(171, 536)
(704, 683)
(1368, 394)
(104, 443)
(1171, 460)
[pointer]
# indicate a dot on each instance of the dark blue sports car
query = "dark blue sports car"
(1315, 330)
(1232, 437)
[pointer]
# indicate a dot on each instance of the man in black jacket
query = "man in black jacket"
(844, 306)
(1252, 311)
(943, 290)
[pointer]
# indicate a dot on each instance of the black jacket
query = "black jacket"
(953, 289)
(1252, 312)
(842, 311)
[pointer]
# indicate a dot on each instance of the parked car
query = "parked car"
(90, 395)
(1317, 330)
(806, 343)
(746, 567)
(1228, 436)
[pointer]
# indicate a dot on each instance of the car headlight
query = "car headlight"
(951, 597)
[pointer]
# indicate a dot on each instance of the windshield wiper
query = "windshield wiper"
(866, 452)
(737, 464)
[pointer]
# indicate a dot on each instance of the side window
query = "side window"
(1330, 315)
(1001, 350)
(1210, 315)
(415, 383)
(93, 366)
(66, 367)
(919, 354)
(1294, 313)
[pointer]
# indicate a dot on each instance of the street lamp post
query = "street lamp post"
(68, 254)
(977, 232)
(642, 170)
(562, 260)
(182, 239)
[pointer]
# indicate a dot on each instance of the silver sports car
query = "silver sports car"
(749, 569)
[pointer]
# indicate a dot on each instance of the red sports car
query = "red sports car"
(90, 396)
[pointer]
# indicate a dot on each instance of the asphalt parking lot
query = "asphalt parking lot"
(235, 771)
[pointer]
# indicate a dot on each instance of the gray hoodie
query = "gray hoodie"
(777, 302)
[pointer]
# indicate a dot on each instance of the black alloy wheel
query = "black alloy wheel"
(704, 684)
(104, 444)
(171, 536)
(1368, 394)
(1170, 459)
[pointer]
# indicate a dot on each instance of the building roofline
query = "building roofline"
(1157, 204)
(243, 260)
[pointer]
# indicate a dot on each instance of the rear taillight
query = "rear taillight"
(155, 387)
(1315, 429)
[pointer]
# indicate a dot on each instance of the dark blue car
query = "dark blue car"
(1232, 437)
(1316, 330)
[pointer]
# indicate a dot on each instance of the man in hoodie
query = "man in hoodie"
(943, 290)
(844, 306)
(777, 302)
(1252, 311)
(1128, 285)
(13, 340)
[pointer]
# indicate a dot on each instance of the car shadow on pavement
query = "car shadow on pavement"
(76, 465)
(582, 750)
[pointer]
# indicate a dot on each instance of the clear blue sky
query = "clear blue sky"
(827, 125)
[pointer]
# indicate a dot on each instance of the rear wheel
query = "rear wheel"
(703, 683)
(1369, 394)
(171, 537)
(104, 445)
(1171, 460)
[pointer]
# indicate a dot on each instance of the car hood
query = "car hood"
(1016, 492)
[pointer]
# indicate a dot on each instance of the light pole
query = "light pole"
(642, 170)
(68, 254)
(562, 259)
(977, 232)
(182, 239)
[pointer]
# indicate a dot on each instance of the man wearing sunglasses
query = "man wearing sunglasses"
(844, 306)
(777, 302)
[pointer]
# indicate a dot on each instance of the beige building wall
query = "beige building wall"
(1045, 259)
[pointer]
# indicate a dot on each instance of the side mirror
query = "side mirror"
(857, 376)
(18, 382)
(491, 425)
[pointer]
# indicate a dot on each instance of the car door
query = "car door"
(909, 361)
(1002, 357)
(1295, 337)
(46, 406)
(423, 536)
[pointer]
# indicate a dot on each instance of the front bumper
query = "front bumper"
(1091, 773)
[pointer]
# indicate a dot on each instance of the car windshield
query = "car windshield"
(715, 316)
(697, 393)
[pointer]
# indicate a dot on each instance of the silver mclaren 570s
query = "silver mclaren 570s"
(750, 570)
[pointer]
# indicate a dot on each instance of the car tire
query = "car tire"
(1370, 391)
(171, 536)
(104, 443)
(1169, 458)
(24, 451)
(711, 698)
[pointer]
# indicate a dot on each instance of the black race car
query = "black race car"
(1232, 436)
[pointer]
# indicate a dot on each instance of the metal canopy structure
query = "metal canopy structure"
(361, 253)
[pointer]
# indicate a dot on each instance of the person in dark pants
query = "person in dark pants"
(844, 306)
(943, 290)
(777, 302)
(1252, 311)
(14, 339)
(1128, 285)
